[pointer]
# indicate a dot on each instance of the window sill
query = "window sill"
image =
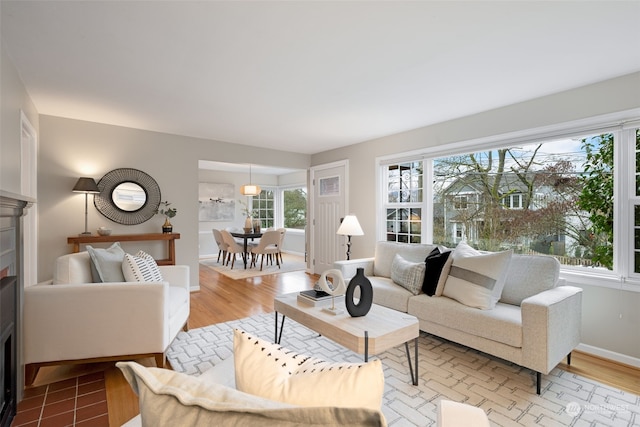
(601, 279)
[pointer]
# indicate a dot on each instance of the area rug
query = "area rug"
(290, 263)
(506, 392)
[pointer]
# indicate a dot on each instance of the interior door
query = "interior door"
(329, 204)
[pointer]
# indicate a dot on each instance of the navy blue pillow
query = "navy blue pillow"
(434, 263)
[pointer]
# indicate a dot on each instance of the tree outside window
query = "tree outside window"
(295, 208)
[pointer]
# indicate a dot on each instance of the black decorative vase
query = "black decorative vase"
(366, 294)
(167, 227)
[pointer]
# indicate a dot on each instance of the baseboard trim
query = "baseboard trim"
(609, 355)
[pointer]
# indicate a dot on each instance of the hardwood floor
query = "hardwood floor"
(221, 299)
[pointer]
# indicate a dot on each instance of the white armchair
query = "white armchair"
(71, 320)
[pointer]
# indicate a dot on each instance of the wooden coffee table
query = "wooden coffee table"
(381, 329)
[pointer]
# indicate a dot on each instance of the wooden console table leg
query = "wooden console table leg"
(172, 252)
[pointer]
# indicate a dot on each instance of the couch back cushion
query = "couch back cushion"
(386, 252)
(72, 269)
(528, 275)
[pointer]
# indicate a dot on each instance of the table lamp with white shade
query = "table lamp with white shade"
(350, 227)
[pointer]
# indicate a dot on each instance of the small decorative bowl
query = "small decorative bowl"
(104, 231)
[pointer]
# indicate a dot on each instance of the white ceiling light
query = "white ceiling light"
(250, 189)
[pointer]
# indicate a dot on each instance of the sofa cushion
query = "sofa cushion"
(273, 372)
(388, 294)
(434, 265)
(386, 251)
(106, 263)
(73, 269)
(169, 398)
(140, 267)
(409, 275)
(502, 324)
(476, 279)
(529, 275)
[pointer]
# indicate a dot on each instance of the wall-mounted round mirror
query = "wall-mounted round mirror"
(127, 196)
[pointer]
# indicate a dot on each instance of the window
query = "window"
(263, 208)
(512, 201)
(553, 197)
(295, 208)
(404, 200)
(460, 202)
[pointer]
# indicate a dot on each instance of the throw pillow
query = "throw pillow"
(407, 274)
(273, 372)
(106, 264)
(141, 267)
(168, 398)
(434, 264)
(476, 279)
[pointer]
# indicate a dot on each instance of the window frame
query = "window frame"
(623, 126)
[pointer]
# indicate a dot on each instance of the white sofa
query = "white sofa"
(535, 324)
(71, 320)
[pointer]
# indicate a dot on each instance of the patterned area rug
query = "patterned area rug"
(506, 392)
(289, 263)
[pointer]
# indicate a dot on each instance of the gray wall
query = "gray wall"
(72, 148)
(610, 316)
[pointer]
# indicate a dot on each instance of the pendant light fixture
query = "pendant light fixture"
(250, 189)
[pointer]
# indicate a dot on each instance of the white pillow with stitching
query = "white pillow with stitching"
(141, 267)
(268, 370)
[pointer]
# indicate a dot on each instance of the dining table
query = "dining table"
(246, 236)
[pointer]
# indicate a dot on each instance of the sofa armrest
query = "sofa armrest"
(81, 321)
(348, 267)
(176, 275)
(551, 324)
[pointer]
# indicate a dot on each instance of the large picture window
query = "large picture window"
(557, 197)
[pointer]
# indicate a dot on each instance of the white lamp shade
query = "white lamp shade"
(350, 227)
(250, 190)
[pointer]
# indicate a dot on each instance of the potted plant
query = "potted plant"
(168, 213)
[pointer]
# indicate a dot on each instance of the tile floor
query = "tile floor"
(80, 401)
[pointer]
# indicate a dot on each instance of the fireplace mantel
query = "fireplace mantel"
(12, 208)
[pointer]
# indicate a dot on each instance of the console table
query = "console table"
(76, 241)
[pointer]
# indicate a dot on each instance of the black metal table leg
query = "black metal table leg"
(366, 346)
(278, 337)
(414, 378)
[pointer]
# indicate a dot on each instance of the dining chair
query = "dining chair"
(233, 247)
(222, 246)
(269, 245)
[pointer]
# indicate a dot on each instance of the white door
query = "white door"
(328, 207)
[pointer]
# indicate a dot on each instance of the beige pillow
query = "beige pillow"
(409, 275)
(476, 279)
(273, 372)
(169, 399)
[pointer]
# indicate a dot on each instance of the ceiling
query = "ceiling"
(308, 76)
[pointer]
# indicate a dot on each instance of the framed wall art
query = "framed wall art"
(216, 202)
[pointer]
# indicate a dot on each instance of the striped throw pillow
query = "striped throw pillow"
(141, 267)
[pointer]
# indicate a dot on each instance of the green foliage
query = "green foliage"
(596, 197)
(166, 210)
(295, 208)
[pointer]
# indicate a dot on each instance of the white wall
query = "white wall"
(13, 99)
(72, 148)
(610, 319)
